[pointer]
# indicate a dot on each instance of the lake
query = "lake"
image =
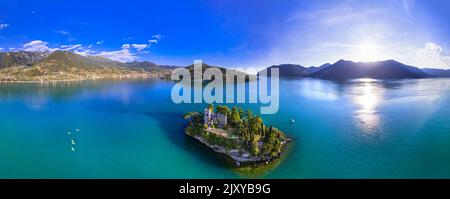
(131, 129)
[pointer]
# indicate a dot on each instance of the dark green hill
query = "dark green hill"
(288, 70)
(222, 69)
(148, 66)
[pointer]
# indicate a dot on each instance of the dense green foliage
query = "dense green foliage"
(224, 110)
(253, 135)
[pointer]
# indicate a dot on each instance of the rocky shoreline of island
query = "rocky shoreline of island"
(245, 141)
(237, 157)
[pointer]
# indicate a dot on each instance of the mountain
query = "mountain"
(148, 66)
(312, 69)
(288, 70)
(437, 72)
(22, 58)
(294, 70)
(222, 69)
(388, 69)
(64, 65)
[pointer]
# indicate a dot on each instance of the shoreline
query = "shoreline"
(120, 77)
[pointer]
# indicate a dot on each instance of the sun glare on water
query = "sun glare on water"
(367, 98)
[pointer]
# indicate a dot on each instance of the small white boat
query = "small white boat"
(292, 121)
(73, 141)
(69, 133)
(73, 149)
(78, 130)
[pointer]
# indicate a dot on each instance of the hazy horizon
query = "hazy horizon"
(234, 34)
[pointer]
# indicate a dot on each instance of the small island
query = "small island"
(241, 136)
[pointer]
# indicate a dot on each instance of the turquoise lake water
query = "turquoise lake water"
(131, 129)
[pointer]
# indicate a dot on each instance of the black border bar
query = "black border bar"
(278, 188)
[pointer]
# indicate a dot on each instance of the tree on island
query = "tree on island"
(255, 145)
(223, 110)
(235, 118)
(272, 145)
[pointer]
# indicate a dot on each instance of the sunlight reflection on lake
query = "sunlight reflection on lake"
(318, 90)
(368, 96)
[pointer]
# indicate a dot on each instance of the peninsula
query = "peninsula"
(241, 136)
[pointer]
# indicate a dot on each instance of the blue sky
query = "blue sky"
(243, 34)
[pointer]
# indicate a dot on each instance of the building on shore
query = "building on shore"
(212, 119)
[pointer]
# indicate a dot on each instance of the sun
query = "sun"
(367, 51)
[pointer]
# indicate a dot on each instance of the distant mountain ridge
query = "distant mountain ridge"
(437, 72)
(295, 70)
(312, 69)
(22, 58)
(343, 70)
(65, 65)
(388, 69)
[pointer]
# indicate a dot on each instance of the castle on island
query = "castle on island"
(212, 119)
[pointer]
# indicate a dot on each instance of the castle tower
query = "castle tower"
(207, 119)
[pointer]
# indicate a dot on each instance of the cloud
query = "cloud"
(3, 26)
(433, 48)
(408, 6)
(334, 16)
(139, 47)
(158, 36)
(63, 32)
(1, 49)
(70, 47)
(42, 46)
(123, 55)
(432, 55)
(85, 52)
(126, 54)
(37, 45)
(155, 40)
(99, 42)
